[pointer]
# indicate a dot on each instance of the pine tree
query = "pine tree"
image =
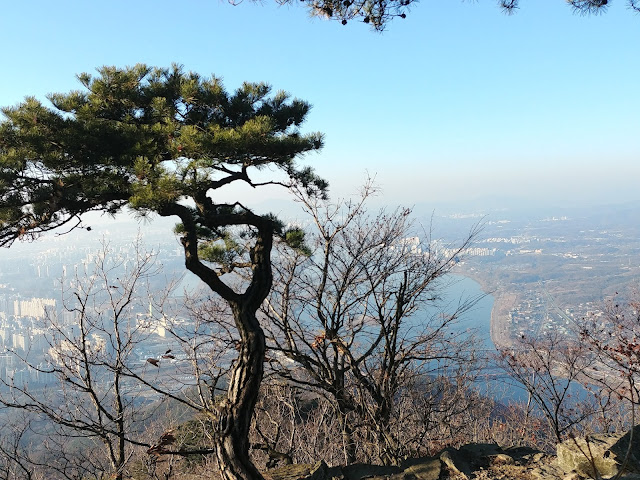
(161, 141)
(378, 13)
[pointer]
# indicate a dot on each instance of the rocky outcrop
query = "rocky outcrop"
(604, 454)
(468, 462)
(319, 471)
(575, 460)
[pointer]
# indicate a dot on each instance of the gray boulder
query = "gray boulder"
(469, 458)
(603, 453)
(319, 471)
(426, 468)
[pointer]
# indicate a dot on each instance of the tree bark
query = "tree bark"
(235, 412)
(348, 445)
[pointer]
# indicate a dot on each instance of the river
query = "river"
(478, 318)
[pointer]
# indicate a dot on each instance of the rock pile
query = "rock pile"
(597, 457)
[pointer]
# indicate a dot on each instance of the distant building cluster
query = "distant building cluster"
(410, 245)
(30, 334)
(19, 322)
(469, 252)
(512, 240)
(24, 316)
(34, 307)
(538, 315)
(20, 335)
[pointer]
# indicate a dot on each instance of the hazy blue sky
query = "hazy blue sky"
(456, 101)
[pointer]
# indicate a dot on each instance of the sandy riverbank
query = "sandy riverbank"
(503, 303)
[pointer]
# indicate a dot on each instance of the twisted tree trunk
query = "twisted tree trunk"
(233, 415)
(235, 412)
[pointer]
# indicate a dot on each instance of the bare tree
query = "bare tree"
(613, 335)
(553, 370)
(356, 314)
(193, 374)
(15, 461)
(91, 397)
